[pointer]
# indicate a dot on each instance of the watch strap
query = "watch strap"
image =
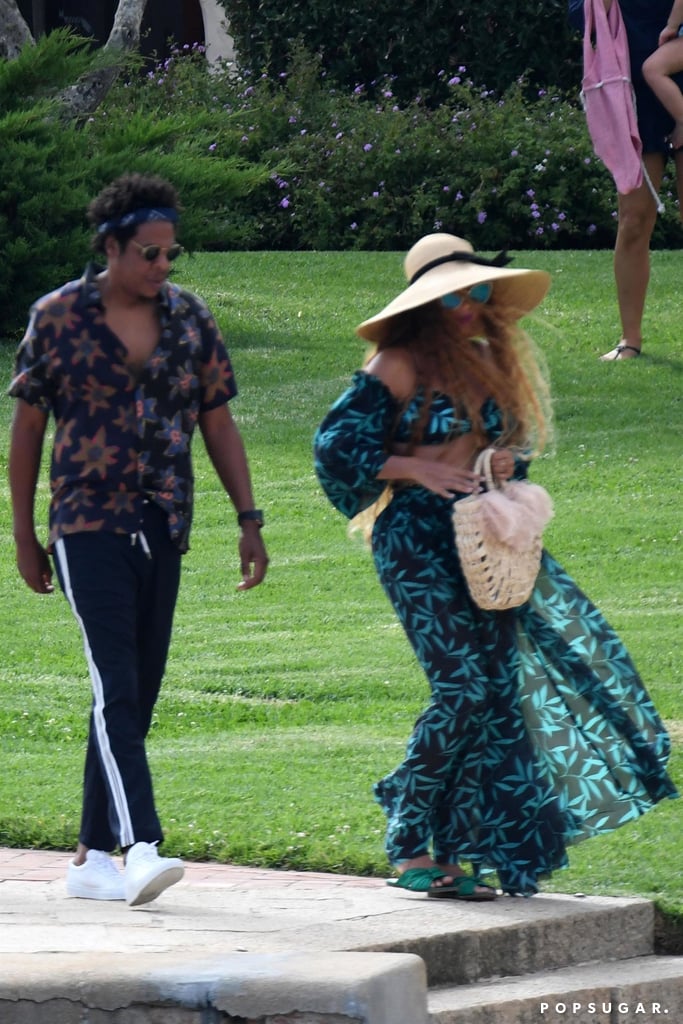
(250, 515)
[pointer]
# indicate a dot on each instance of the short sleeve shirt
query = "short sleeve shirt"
(120, 440)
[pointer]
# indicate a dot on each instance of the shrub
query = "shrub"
(352, 171)
(411, 43)
(295, 162)
(50, 169)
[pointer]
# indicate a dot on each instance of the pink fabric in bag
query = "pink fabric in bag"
(607, 95)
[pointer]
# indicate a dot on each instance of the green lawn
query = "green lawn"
(282, 705)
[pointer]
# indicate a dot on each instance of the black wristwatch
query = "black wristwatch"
(251, 514)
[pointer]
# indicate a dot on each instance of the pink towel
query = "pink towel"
(607, 95)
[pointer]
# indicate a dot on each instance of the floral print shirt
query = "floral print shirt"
(120, 439)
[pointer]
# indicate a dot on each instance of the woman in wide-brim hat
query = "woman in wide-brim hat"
(439, 264)
(532, 709)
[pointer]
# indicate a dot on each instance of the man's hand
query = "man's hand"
(253, 556)
(34, 565)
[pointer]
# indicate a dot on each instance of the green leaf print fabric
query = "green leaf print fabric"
(539, 732)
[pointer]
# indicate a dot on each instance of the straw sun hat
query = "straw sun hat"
(439, 264)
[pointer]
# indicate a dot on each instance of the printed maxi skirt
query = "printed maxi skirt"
(539, 732)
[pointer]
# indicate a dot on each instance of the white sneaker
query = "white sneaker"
(96, 879)
(146, 874)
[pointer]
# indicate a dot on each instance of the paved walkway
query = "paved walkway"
(50, 866)
(226, 908)
(256, 934)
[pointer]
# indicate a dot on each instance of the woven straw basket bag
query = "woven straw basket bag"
(499, 538)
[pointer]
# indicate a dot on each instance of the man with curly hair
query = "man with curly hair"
(128, 364)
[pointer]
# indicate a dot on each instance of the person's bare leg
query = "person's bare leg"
(657, 71)
(80, 854)
(637, 216)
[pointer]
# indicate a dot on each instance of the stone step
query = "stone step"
(647, 989)
(522, 937)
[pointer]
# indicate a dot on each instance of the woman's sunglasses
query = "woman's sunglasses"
(477, 293)
(152, 252)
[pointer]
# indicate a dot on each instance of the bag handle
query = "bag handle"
(482, 465)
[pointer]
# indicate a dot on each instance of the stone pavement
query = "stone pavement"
(234, 944)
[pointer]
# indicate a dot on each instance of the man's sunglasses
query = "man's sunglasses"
(477, 293)
(152, 252)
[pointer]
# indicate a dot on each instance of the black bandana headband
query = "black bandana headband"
(141, 216)
(501, 260)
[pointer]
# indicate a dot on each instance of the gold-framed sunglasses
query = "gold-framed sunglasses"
(153, 252)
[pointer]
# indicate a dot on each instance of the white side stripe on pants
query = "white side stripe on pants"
(107, 760)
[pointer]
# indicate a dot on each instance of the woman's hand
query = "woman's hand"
(502, 465)
(444, 479)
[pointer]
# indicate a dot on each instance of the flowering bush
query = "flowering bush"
(359, 169)
(295, 162)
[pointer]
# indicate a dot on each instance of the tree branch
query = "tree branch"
(85, 96)
(14, 32)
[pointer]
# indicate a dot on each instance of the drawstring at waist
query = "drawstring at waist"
(140, 536)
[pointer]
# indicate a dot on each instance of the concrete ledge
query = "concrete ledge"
(647, 989)
(262, 988)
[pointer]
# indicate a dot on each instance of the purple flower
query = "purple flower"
(481, 216)
(367, 147)
(284, 203)
(212, 147)
(454, 81)
(514, 152)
